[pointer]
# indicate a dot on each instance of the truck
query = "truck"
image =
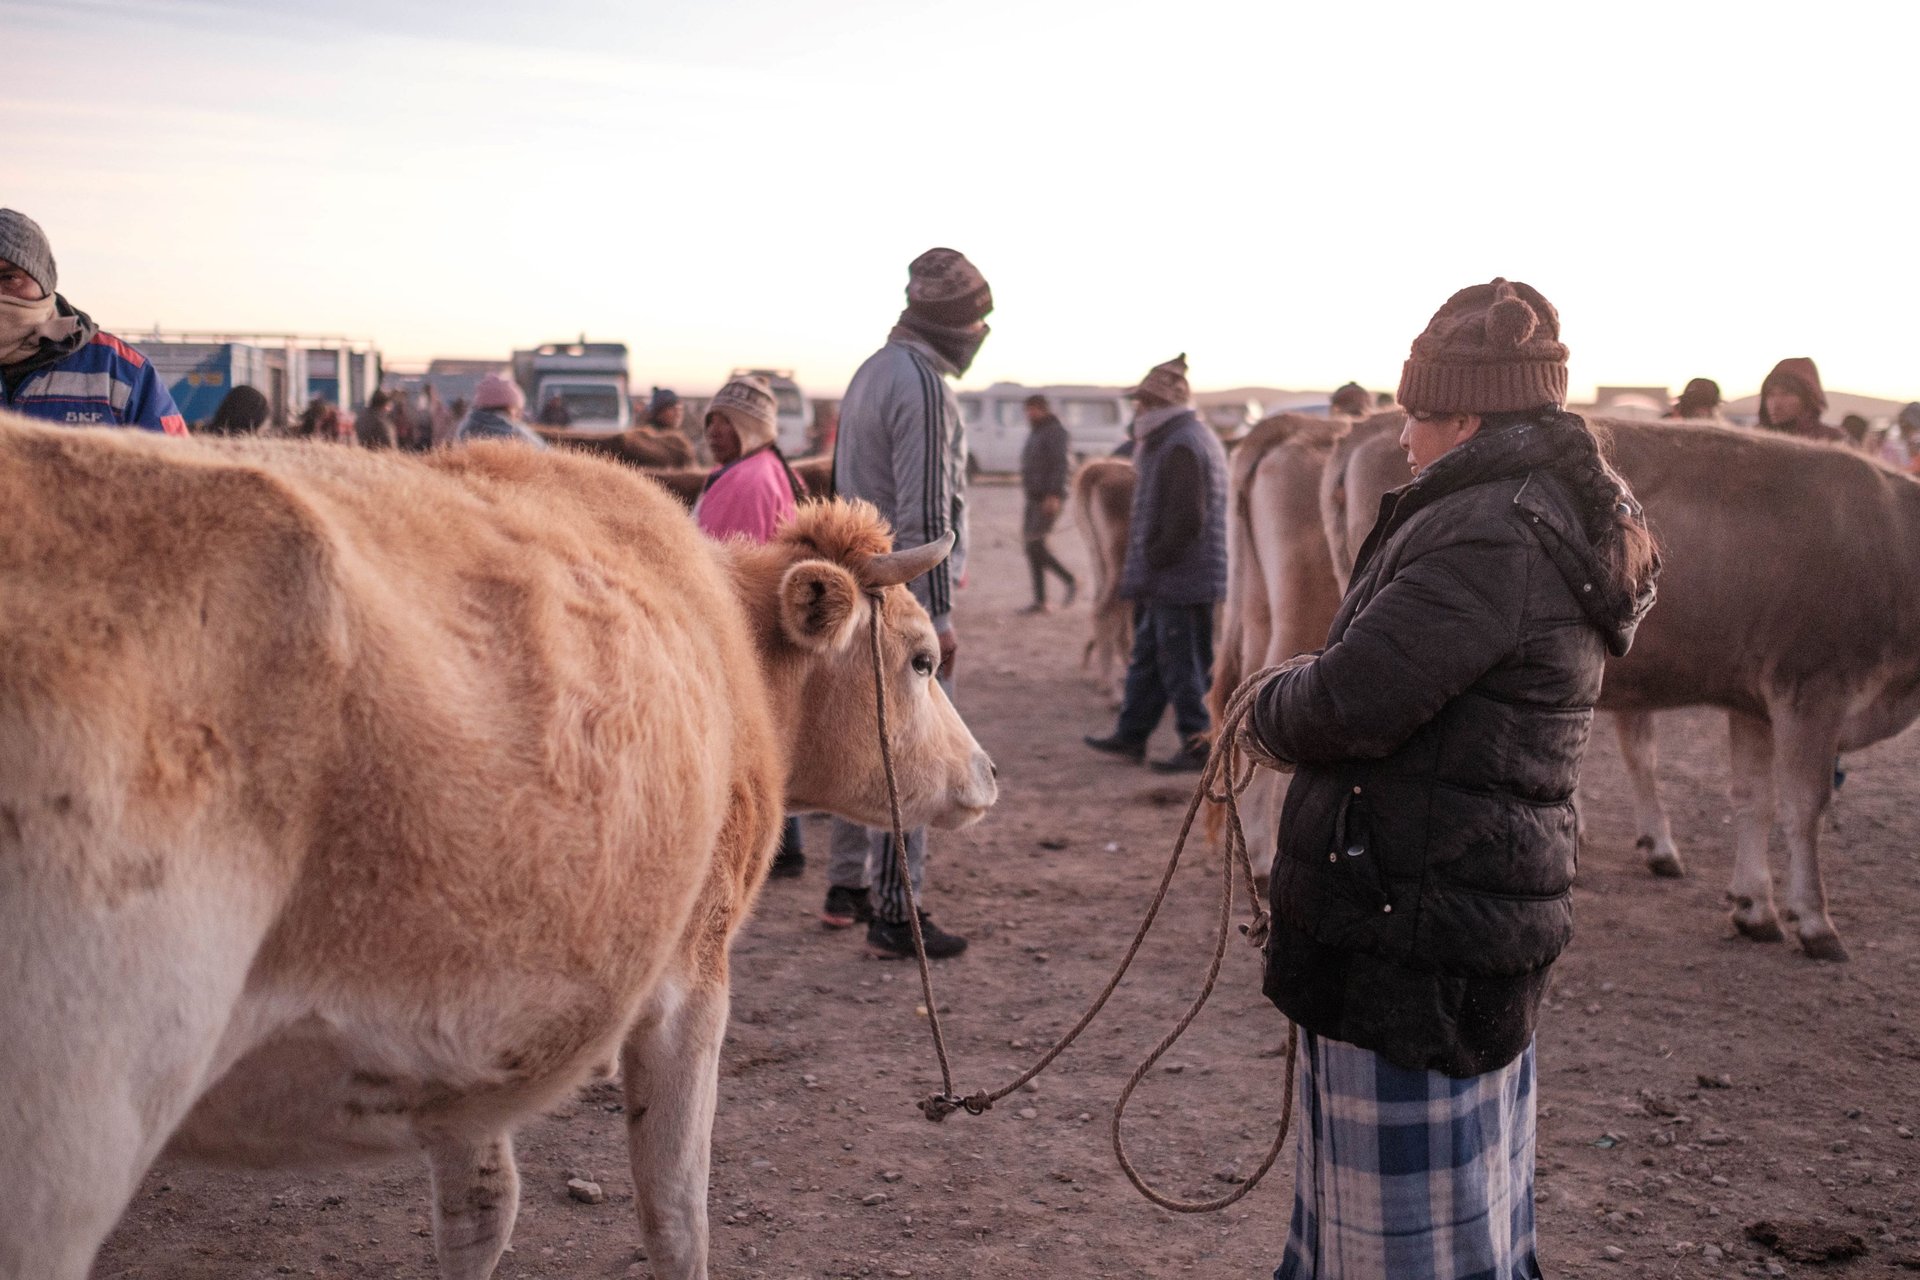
(587, 379)
(199, 374)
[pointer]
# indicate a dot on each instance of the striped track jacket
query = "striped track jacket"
(103, 383)
(903, 448)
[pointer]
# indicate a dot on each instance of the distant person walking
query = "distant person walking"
(1175, 571)
(902, 446)
(750, 494)
(1699, 402)
(497, 405)
(1791, 402)
(1044, 465)
(55, 363)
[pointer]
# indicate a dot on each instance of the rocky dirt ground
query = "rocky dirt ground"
(1692, 1084)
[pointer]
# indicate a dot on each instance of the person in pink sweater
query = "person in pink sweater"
(753, 489)
(749, 495)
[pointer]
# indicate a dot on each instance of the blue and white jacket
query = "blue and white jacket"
(91, 379)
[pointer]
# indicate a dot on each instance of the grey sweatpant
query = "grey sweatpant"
(862, 858)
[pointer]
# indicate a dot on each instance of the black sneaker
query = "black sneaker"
(1118, 746)
(845, 907)
(1191, 758)
(787, 864)
(895, 941)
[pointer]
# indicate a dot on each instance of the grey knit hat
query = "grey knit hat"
(749, 405)
(24, 244)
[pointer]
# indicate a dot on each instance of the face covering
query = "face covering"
(957, 346)
(23, 324)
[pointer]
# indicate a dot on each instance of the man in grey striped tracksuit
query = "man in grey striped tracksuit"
(902, 447)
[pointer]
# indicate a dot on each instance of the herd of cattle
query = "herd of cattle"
(354, 803)
(1790, 597)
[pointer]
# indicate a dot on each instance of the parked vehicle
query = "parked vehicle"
(1231, 419)
(795, 435)
(1096, 420)
(198, 375)
(589, 378)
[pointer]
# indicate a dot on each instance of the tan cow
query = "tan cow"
(636, 446)
(1367, 460)
(354, 804)
(1790, 597)
(1102, 506)
(1281, 592)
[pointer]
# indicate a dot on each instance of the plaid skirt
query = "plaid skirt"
(1412, 1175)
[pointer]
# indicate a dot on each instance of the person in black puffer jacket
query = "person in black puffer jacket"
(1422, 887)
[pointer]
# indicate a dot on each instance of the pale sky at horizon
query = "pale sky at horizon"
(1285, 194)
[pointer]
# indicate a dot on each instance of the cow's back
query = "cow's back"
(1784, 562)
(479, 717)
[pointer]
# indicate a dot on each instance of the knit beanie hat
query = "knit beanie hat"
(1165, 384)
(749, 405)
(1350, 399)
(25, 245)
(1492, 348)
(946, 289)
(663, 398)
(497, 391)
(1700, 393)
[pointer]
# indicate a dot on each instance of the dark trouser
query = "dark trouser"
(1035, 525)
(791, 841)
(1172, 662)
(862, 858)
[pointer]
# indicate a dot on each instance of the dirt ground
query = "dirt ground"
(823, 1168)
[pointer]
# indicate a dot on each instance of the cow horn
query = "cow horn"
(897, 567)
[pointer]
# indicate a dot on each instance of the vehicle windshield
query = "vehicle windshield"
(588, 403)
(788, 399)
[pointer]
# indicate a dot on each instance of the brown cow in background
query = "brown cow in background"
(1791, 598)
(1102, 497)
(636, 446)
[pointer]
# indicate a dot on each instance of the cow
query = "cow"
(354, 804)
(636, 446)
(1281, 592)
(1102, 494)
(1368, 460)
(1790, 598)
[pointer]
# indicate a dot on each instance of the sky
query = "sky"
(1284, 192)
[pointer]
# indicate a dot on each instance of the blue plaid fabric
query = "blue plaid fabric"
(1411, 1175)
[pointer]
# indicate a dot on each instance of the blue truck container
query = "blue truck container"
(199, 374)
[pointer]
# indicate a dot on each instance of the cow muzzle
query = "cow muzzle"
(973, 795)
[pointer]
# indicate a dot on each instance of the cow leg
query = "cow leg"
(671, 1063)
(1804, 750)
(1751, 892)
(112, 1018)
(1640, 749)
(476, 1196)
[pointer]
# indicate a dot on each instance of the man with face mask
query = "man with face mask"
(55, 363)
(902, 447)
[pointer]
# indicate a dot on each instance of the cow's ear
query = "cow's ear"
(819, 605)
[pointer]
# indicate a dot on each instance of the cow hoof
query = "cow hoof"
(1824, 946)
(1666, 865)
(1763, 930)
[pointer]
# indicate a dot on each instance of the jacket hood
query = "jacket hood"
(1804, 376)
(1574, 501)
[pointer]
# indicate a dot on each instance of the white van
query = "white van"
(1096, 420)
(795, 432)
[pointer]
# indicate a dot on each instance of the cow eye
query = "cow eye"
(923, 664)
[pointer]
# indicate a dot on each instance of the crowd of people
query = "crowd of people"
(1421, 893)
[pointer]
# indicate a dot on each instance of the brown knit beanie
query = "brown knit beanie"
(945, 288)
(1165, 384)
(748, 403)
(1492, 348)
